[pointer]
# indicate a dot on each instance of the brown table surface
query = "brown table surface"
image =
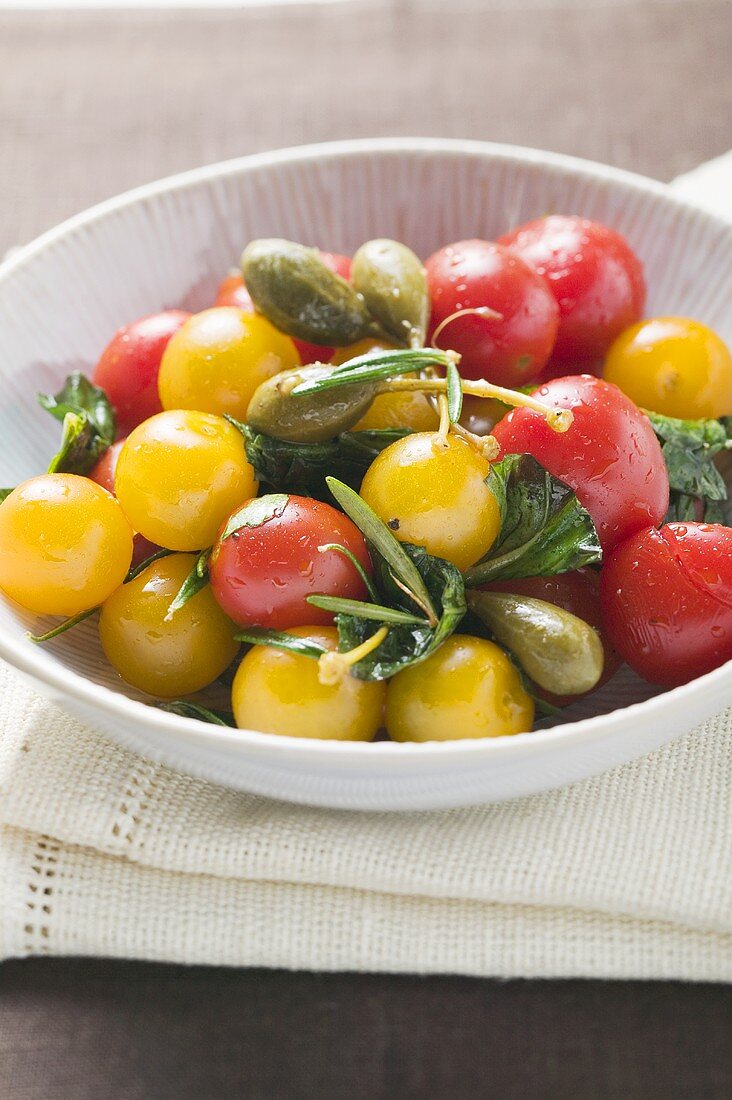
(94, 103)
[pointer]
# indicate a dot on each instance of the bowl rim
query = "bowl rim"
(34, 663)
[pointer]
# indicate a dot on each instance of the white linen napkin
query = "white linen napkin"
(102, 852)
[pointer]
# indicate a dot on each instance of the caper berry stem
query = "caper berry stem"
(559, 420)
(477, 311)
(333, 667)
(440, 440)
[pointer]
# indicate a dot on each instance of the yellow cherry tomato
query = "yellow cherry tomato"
(165, 656)
(434, 497)
(65, 544)
(216, 360)
(468, 688)
(180, 474)
(673, 366)
(276, 691)
(390, 410)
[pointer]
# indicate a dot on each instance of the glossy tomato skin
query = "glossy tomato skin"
(65, 544)
(128, 368)
(103, 473)
(579, 593)
(594, 275)
(673, 365)
(261, 575)
(610, 455)
(511, 350)
(666, 599)
(232, 292)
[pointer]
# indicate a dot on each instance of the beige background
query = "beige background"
(94, 103)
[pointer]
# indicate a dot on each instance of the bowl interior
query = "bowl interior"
(169, 245)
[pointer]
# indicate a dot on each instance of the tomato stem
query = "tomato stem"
(333, 667)
(559, 420)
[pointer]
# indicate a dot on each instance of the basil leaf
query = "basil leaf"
(454, 392)
(81, 446)
(186, 709)
(688, 448)
(259, 635)
(686, 509)
(255, 513)
(544, 528)
(383, 542)
(4, 494)
(79, 395)
(302, 467)
(194, 583)
(407, 644)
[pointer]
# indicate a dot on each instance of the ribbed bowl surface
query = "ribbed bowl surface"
(168, 245)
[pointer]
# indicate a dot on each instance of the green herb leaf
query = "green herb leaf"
(407, 644)
(67, 624)
(194, 583)
(255, 513)
(4, 494)
(544, 528)
(383, 542)
(79, 395)
(258, 635)
(374, 367)
(81, 446)
(689, 448)
(375, 612)
(186, 709)
(454, 392)
(142, 566)
(302, 467)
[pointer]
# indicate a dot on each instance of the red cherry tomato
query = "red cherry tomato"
(232, 292)
(579, 593)
(103, 474)
(667, 600)
(609, 456)
(594, 275)
(512, 350)
(338, 263)
(128, 368)
(262, 574)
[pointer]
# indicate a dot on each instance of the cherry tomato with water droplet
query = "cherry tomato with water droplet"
(674, 366)
(65, 544)
(276, 691)
(610, 455)
(595, 277)
(261, 574)
(666, 599)
(510, 350)
(129, 365)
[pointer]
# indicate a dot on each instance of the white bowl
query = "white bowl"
(168, 245)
